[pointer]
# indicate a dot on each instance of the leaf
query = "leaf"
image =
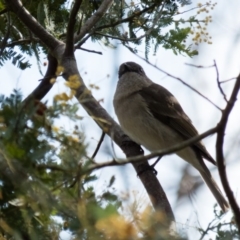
(112, 180)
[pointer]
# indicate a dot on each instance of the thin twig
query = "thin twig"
(99, 145)
(91, 51)
(22, 42)
(45, 85)
(31, 23)
(230, 79)
(211, 228)
(159, 153)
(79, 44)
(124, 39)
(183, 82)
(76, 178)
(204, 232)
(128, 19)
(218, 82)
(219, 152)
(117, 38)
(69, 50)
(51, 167)
(191, 9)
(198, 66)
(58, 186)
(86, 28)
(158, 16)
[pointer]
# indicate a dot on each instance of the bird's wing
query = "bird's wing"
(165, 107)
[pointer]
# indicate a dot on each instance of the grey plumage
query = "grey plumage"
(152, 117)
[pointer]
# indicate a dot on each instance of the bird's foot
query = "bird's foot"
(151, 167)
(147, 169)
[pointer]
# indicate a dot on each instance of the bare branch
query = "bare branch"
(98, 146)
(91, 51)
(198, 66)
(69, 49)
(124, 39)
(219, 152)
(30, 22)
(183, 82)
(22, 42)
(45, 85)
(93, 20)
(218, 81)
(79, 44)
(159, 153)
(51, 167)
(228, 80)
(128, 19)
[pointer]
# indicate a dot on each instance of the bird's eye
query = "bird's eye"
(141, 70)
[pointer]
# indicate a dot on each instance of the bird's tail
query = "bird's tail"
(215, 190)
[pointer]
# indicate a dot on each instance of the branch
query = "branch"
(93, 20)
(218, 82)
(230, 79)
(51, 167)
(219, 152)
(136, 14)
(91, 51)
(31, 23)
(183, 82)
(158, 15)
(79, 44)
(128, 19)
(198, 66)
(69, 50)
(98, 145)
(22, 42)
(159, 153)
(124, 39)
(45, 85)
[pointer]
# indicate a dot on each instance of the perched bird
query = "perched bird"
(151, 116)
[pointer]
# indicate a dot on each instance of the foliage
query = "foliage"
(44, 188)
(222, 229)
(42, 177)
(128, 22)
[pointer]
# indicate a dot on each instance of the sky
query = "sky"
(102, 71)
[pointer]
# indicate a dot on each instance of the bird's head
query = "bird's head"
(130, 67)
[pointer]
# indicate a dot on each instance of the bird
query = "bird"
(152, 117)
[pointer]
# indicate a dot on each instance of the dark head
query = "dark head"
(130, 67)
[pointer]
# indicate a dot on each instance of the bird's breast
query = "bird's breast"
(140, 125)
